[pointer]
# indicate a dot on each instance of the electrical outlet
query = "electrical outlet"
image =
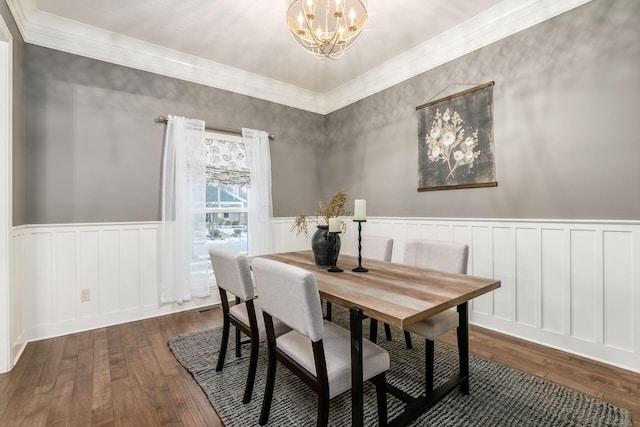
(85, 295)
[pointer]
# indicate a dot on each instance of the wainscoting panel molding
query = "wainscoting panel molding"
(114, 264)
(572, 285)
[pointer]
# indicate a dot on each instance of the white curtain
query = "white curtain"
(182, 239)
(260, 205)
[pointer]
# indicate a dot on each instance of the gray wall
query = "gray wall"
(18, 150)
(94, 150)
(566, 131)
(567, 126)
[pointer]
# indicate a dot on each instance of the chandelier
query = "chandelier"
(330, 32)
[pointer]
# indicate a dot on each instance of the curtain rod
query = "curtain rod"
(163, 119)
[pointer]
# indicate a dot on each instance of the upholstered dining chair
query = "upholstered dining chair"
(448, 257)
(317, 351)
(377, 247)
(233, 276)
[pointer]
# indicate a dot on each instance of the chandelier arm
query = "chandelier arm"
(330, 43)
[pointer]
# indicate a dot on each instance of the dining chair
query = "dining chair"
(315, 350)
(233, 276)
(377, 247)
(448, 257)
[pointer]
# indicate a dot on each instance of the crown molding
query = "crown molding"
(51, 31)
(503, 20)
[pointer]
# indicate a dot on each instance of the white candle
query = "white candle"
(360, 210)
(335, 226)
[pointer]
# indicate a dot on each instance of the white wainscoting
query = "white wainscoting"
(116, 262)
(572, 285)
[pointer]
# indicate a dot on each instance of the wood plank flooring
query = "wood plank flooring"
(125, 375)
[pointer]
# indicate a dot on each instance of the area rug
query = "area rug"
(499, 396)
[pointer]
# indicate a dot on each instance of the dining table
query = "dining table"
(398, 295)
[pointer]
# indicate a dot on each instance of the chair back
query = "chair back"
(377, 247)
(448, 257)
(289, 294)
(232, 272)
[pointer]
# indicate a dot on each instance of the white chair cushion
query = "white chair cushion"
(337, 350)
(232, 272)
(290, 294)
(239, 311)
(437, 325)
(450, 257)
(377, 247)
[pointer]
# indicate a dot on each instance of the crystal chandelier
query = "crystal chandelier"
(330, 32)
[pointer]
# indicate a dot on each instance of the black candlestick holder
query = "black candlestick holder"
(360, 268)
(334, 268)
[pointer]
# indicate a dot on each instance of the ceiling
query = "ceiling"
(244, 46)
(252, 35)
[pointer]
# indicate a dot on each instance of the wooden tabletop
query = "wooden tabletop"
(397, 294)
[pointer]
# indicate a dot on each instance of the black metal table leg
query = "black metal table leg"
(356, 367)
(463, 346)
(415, 406)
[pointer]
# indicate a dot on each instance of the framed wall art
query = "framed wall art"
(455, 141)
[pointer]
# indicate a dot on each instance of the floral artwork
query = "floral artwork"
(456, 141)
(447, 142)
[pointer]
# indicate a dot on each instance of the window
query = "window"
(227, 204)
(226, 217)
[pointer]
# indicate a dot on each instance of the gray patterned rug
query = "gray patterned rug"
(499, 396)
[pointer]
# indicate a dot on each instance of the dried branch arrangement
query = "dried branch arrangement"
(335, 208)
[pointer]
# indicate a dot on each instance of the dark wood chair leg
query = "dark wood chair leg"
(223, 344)
(323, 408)
(381, 396)
(328, 316)
(407, 339)
(268, 391)
(373, 331)
(428, 366)
(238, 343)
(387, 331)
(251, 376)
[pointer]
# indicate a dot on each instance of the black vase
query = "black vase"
(325, 246)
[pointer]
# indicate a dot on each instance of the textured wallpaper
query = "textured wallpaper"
(94, 150)
(565, 127)
(565, 124)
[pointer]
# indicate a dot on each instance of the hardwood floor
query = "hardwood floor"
(125, 375)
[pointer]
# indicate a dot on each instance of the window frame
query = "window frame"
(225, 210)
